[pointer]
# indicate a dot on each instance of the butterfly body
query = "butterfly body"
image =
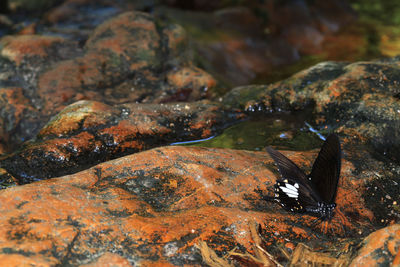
(314, 194)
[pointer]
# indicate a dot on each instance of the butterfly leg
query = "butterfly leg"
(336, 225)
(318, 223)
(324, 227)
(343, 220)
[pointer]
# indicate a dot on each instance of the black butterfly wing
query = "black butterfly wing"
(287, 168)
(293, 196)
(326, 169)
(292, 174)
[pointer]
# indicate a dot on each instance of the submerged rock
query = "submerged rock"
(155, 206)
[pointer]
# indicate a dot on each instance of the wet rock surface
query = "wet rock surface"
(241, 43)
(73, 97)
(155, 206)
(88, 132)
(360, 100)
(357, 100)
(380, 248)
(126, 59)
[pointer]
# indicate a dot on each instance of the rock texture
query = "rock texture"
(98, 105)
(155, 206)
(88, 132)
(358, 101)
(381, 248)
(242, 44)
(127, 59)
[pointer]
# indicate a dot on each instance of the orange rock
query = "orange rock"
(109, 260)
(177, 41)
(30, 29)
(154, 207)
(16, 105)
(381, 248)
(88, 132)
(121, 63)
(190, 78)
(19, 48)
(65, 10)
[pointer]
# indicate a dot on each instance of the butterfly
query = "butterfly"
(313, 194)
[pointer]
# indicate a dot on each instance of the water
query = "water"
(289, 132)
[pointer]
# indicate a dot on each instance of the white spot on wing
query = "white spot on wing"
(291, 192)
(292, 196)
(291, 187)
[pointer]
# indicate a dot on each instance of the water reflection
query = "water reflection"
(290, 132)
